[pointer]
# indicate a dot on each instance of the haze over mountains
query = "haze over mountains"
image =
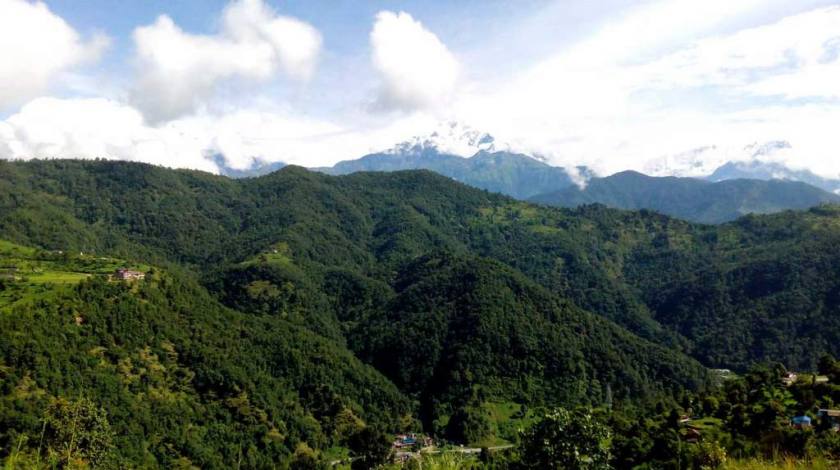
(687, 186)
(689, 198)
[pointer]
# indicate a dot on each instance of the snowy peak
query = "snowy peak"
(694, 163)
(760, 170)
(701, 162)
(451, 138)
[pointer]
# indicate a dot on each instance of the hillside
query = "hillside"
(308, 264)
(691, 199)
(179, 379)
(364, 228)
(459, 300)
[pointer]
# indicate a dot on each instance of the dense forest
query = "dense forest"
(296, 316)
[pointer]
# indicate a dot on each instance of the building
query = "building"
(128, 275)
(410, 441)
(801, 422)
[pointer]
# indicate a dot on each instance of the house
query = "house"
(411, 440)
(129, 275)
(801, 422)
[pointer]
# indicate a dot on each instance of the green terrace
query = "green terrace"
(26, 271)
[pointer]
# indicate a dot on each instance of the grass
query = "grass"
(507, 419)
(784, 464)
(25, 272)
(58, 277)
(279, 254)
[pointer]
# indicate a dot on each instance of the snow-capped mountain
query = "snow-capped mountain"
(759, 170)
(469, 156)
(453, 138)
(695, 163)
(767, 161)
(759, 160)
(703, 161)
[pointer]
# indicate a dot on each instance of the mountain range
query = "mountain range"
(754, 183)
(279, 316)
(754, 186)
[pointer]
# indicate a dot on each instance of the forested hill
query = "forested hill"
(690, 198)
(162, 374)
(767, 284)
(456, 296)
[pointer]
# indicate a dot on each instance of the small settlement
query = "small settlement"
(405, 446)
(124, 274)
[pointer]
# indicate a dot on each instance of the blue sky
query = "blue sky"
(611, 84)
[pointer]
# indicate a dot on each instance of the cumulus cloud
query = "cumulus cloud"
(93, 128)
(36, 46)
(179, 70)
(416, 68)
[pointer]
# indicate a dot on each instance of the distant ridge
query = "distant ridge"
(691, 198)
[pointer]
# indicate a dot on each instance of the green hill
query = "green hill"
(371, 224)
(455, 296)
(180, 378)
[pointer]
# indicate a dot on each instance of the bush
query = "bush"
(567, 440)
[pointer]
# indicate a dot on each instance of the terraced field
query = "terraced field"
(26, 272)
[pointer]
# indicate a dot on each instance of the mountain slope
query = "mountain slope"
(347, 238)
(365, 225)
(508, 173)
(180, 379)
(691, 199)
(457, 322)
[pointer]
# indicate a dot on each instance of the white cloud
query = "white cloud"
(101, 128)
(93, 128)
(639, 93)
(36, 46)
(796, 56)
(663, 80)
(179, 71)
(416, 68)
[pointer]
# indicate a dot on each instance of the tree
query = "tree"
(370, 448)
(305, 458)
(469, 424)
(77, 432)
(830, 367)
(567, 440)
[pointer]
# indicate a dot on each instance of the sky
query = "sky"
(661, 86)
